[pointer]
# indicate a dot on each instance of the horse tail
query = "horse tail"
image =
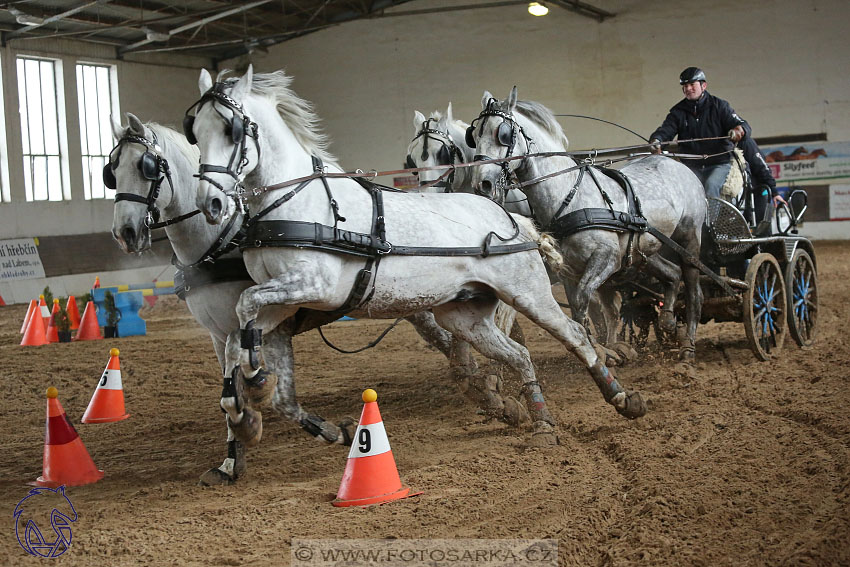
(546, 243)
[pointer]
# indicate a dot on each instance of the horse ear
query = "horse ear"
(512, 100)
(136, 125)
(242, 88)
(117, 129)
(205, 81)
(485, 99)
(449, 116)
(418, 119)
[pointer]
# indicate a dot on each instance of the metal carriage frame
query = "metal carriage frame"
(773, 279)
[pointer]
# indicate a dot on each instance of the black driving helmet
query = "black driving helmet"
(691, 75)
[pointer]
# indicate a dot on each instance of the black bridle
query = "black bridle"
(238, 127)
(153, 167)
(444, 156)
(506, 135)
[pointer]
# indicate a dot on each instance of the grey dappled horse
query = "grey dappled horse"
(602, 253)
(327, 242)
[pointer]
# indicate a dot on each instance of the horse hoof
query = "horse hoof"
(250, 429)
(216, 477)
(544, 435)
(348, 427)
(260, 388)
(515, 413)
(625, 350)
(631, 405)
(667, 321)
(607, 356)
(687, 355)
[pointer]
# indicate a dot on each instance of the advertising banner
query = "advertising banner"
(809, 161)
(19, 260)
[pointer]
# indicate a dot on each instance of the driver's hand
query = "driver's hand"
(655, 146)
(736, 133)
(778, 200)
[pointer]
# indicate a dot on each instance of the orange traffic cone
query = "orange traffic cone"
(34, 334)
(370, 475)
(32, 307)
(89, 329)
(45, 311)
(96, 282)
(52, 334)
(107, 403)
(73, 312)
(66, 460)
(2, 303)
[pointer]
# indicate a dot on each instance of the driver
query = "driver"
(702, 115)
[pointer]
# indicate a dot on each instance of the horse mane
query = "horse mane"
(167, 136)
(544, 118)
(296, 112)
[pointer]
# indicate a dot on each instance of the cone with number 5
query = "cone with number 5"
(370, 476)
(107, 403)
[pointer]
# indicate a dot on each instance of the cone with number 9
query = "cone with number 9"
(370, 476)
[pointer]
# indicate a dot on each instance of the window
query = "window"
(98, 105)
(38, 92)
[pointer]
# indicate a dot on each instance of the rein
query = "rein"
(256, 191)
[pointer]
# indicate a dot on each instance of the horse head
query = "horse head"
(496, 134)
(142, 178)
(221, 129)
(433, 145)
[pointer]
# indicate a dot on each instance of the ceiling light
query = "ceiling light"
(155, 35)
(537, 9)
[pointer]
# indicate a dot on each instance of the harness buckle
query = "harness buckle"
(389, 249)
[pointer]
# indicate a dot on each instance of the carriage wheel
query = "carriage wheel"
(802, 290)
(765, 306)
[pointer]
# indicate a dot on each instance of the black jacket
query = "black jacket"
(708, 117)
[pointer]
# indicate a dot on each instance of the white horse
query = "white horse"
(152, 167)
(652, 223)
(441, 140)
(329, 243)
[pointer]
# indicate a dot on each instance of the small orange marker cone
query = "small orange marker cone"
(2, 303)
(73, 312)
(30, 309)
(52, 334)
(45, 311)
(107, 403)
(66, 460)
(96, 282)
(370, 476)
(34, 334)
(89, 329)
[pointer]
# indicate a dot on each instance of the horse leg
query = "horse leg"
(234, 464)
(473, 322)
(278, 356)
(670, 275)
(433, 334)
(245, 422)
(233, 467)
(693, 310)
(580, 295)
(539, 306)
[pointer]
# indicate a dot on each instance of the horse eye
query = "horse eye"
(228, 130)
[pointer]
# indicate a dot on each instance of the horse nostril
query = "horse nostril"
(128, 235)
(215, 207)
(486, 187)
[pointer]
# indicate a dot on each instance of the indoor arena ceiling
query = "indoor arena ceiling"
(218, 29)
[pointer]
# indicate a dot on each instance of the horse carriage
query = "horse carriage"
(767, 283)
